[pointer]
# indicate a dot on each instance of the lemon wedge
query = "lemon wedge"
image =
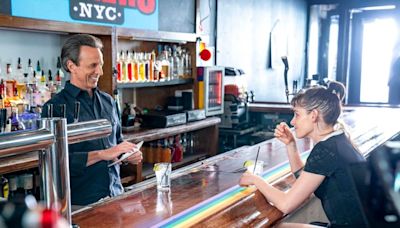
(156, 167)
(248, 163)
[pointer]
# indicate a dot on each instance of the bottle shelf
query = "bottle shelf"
(154, 84)
(147, 170)
(159, 133)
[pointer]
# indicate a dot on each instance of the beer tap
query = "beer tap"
(50, 111)
(251, 96)
(286, 63)
(294, 89)
(76, 111)
(63, 110)
(3, 119)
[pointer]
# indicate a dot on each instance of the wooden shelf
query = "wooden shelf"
(155, 84)
(156, 36)
(20, 23)
(19, 162)
(160, 133)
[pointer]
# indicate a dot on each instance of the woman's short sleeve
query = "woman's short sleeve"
(321, 161)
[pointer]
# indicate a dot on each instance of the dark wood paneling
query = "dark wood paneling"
(106, 81)
(17, 163)
(151, 97)
(51, 26)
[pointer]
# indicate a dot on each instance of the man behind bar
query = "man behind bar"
(91, 178)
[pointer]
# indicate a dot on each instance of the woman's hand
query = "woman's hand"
(247, 179)
(283, 133)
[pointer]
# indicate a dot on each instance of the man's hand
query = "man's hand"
(112, 154)
(127, 147)
(135, 158)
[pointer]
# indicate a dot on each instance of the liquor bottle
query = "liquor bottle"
(30, 70)
(38, 68)
(12, 186)
(141, 62)
(19, 74)
(59, 70)
(58, 82)
(16, 123)
(1, 95)
(124, 73)
(151, 66)
(10, 82)
(129, 72)
(27, 183)
(20, 85)
(135, 68)
(119, 66)
(181, 64)
(5, 187)
(172, 67)
(42, 79)
(33, 89)
(163, 61)
(50, 85)
(2, 91)
(145, 67)
(178, 149)
(188, 64)
(34, 81)
(43, 89)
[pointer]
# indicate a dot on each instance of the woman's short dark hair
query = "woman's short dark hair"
(72, 46)
(338, 88)
(325, 100)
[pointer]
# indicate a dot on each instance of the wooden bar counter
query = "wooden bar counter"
(206, 194)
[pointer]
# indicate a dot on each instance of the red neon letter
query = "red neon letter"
(110, 1)
(132, 3)
(146, 6)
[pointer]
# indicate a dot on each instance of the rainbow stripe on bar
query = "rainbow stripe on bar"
(224, 199)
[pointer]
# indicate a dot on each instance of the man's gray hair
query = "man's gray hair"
(72, 46)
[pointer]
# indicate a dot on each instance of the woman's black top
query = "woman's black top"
(337, 192)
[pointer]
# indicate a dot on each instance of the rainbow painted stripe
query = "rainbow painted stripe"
(224, 199)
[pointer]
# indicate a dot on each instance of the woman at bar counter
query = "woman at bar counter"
(326, 173)
(91, 178)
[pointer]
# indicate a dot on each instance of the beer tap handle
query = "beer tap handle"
(63, 110)
(76, 111)
(50, 111)
(294, 91)
(251, 96)
(3, 119)
(286, 63)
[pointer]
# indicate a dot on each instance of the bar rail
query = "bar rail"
(25, 141)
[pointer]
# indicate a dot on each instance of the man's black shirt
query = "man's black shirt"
(89, 184)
